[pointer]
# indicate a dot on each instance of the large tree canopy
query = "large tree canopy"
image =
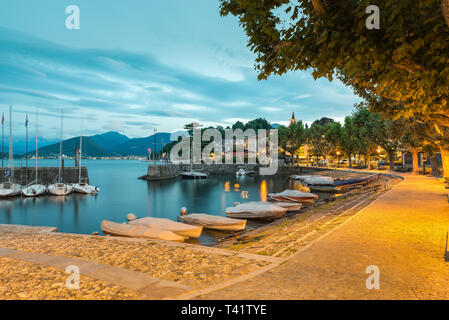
(401, 69)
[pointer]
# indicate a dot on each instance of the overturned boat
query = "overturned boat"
(256, 210)
(314, 180)
(293, 196)
(138, 231)
(346, 185)
(214, 222)
(181, 229)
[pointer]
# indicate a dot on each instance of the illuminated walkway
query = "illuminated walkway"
(403, 233)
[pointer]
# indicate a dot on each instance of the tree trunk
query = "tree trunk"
(368, 158)
(434, 165)
(415, 161)
(350, 160)
(445, 160)
(445, 10)
(391, 160)
(327, 161)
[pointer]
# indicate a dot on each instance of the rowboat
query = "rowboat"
(138, 231)
(293, 196)
(257, 210)
(181, 229)
(314, 180)
(214, 222)
(9, 189)
(290, 206)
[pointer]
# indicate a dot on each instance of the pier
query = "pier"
(46, 175)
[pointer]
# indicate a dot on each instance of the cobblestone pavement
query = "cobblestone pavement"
(403, 233)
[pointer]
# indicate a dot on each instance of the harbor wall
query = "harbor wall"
(46, 175)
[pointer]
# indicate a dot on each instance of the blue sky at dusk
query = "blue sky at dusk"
(138, 65)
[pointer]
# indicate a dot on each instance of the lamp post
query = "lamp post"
(338, 158)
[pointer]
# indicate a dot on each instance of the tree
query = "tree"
(321, 146)
(400, 70)
(366, 123)
(291, 138)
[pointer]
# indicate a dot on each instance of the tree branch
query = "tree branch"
(445, 10)
(319, 8)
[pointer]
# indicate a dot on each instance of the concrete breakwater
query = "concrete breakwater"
(46, 175)
(168, 171)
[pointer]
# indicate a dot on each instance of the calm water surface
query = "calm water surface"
(121, 193)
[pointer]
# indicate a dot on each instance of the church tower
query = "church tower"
(293, 119)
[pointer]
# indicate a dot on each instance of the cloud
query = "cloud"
(117, 87)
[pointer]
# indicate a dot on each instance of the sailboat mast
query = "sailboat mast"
(60, 151)
(81, 152)
(26, 143)
(3, 139)
(11, 155)
(37, 152)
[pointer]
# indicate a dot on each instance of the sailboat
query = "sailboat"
(10, 188)
(193, 174)
(34, 189)
(59, 188)
(83, 186)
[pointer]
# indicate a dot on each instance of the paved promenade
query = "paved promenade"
(403, 233)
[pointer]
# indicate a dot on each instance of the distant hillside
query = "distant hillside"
(139, 146)
(90, 148)
(109, 140)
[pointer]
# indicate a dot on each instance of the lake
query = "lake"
(122, 193)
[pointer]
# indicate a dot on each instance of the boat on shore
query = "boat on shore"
(214, 222)
(346, 185)
(138, 231)
(290, 206)
(314, 180)
(256, 211)
(181, 229)
(293, 196)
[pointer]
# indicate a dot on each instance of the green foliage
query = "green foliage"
(291, 138)
(401, 70)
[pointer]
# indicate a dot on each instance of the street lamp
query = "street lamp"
(338, 158)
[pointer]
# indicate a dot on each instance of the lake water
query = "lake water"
(121, 193)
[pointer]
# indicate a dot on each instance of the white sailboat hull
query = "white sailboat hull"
(85, 189)
(194, 175)
(8, 190)
(34, 190)
(60, 189)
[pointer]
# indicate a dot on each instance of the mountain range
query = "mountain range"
(101, 145)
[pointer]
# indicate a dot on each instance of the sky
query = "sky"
(142, 65)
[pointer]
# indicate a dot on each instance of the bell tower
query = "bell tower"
(293, 119)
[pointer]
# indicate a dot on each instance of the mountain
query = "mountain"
(109, 140)
(20, 144)
(139, 146)
(90, 148)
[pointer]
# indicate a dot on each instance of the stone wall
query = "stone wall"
(161, 171)
(46, 175)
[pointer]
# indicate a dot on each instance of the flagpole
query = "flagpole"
(3, 139)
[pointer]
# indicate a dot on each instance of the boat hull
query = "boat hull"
(181, 229)
(214, 222)
(136, 231)
(9, 189)
(194, 175)
(34, 190)
(88, 189)
(60, 191)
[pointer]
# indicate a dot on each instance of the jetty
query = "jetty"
(46, 175)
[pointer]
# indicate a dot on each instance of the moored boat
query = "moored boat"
(258, 210)
(60, 189)
(293, 196)
(181, 229)
(314, 180)
(34, 190)
(85, 188)
(345, 185)
(138, 231)
(9, 189)
(194, 175)
(214, 222)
